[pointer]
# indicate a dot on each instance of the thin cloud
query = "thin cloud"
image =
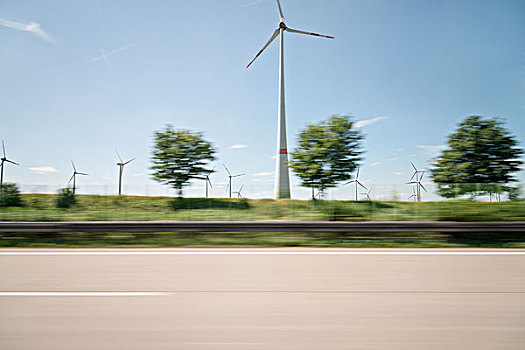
(431, 149)
(262, 180)
(395, 158)
(375, 163)
(43, 170)
(104, 55)
(263, 174)
(31, 27)
(237, 146)
(360, 123)
(254, 2)
(138, 174)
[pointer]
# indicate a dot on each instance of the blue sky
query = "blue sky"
(87, 77)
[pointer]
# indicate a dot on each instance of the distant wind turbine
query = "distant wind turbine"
(367, 194)
(414, 195)
(206, 178)
(417, 182)
(4, 159)
(121, 170)
(74, 176)
(356, 181)
(282, 177)
(239, 192)
(230, 176)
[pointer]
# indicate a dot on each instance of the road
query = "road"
(262, 299)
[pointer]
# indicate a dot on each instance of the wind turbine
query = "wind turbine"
(121, 170)
(282, 177)
(416, 171)
(74, 177)
(414, 195)
(356, 181)
(417, 182)
(239, 192)
(230, 176)
(207, 180)
(367, 194)
(4, 159)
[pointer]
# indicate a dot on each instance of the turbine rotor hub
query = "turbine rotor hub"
(282, 25)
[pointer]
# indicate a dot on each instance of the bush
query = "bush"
(10, 195)
(66, 198)
(208, 203)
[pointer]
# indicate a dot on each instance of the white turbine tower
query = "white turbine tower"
(282, 178)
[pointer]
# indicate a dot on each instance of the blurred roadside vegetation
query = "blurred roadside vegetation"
(42, 207)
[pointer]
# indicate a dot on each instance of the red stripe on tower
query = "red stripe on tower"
(283, 151)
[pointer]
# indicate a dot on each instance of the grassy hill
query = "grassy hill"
(41, 207)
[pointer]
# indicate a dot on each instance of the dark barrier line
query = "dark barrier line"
(261, 226)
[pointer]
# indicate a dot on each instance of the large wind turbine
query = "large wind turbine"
(121, 170)
(282, 178)
(4, 159)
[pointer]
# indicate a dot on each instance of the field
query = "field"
(102, 208)
(41, 207)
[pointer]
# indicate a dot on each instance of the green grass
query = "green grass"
(41, 207)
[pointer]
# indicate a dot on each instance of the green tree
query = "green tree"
(10, 195)
(480, 158)
(327, 153)
(180, 156)
(65, 198)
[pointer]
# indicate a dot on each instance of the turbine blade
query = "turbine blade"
(281, 16)
(362, 185)
(422, 174)
(75, 169)
(349, 182)
(291, 30)
(129, 161)
(118, 155)
(274, 35)
(423, 187)
(71, 178)
(82, 174)
(227, 170)
(413, 166)
(240, 189)
(412, 182)
(10, 161)
(211, 171)
(237, 175)
(414, 174)
(3, 147)
(357, 175)
(208, 179)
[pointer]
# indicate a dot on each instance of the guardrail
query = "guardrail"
(261, 226)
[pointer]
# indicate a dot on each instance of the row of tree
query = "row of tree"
(481, 156)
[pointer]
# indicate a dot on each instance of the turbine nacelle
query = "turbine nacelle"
(284, 27)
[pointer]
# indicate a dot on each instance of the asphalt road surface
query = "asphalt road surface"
(262, 299)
